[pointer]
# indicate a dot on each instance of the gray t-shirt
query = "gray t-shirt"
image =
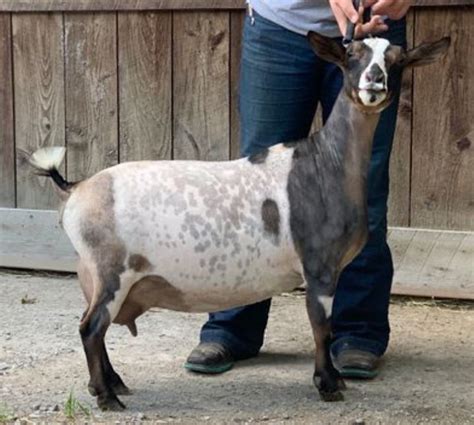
(299, 16)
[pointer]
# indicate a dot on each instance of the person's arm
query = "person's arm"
(344, 10)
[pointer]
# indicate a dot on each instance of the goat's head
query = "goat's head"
(370, 65)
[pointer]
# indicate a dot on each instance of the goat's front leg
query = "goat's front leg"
(93, 331)
(319, 297)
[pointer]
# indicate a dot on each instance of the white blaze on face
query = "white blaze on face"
(370, 93)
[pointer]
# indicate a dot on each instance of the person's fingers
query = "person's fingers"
(341, 19)
(369, 3)
(347, 8)
(341, 16)
(374, 26)
(392, 8)
(383, 6)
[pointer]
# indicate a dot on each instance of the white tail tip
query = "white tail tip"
(48, 158)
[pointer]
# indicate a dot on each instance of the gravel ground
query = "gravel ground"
(427, 375)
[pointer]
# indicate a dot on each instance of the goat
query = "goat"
(205, 236)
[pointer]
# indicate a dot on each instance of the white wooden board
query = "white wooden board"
(427, 262)
(33, 239)
(433, 263)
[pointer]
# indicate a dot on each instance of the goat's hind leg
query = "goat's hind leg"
(319, 297)
(93, 331)
(113, 379)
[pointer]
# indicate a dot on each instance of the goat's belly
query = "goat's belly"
(189, 292)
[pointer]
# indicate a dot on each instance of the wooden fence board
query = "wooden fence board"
(399, 245)
(91, 93)
(33, 239)
(145, 86)
(433, 263)
(201, 85)
(443, 127)
(399, 200)
(114, 5)
(7, 141)
(236, 26)
(39, 100)
(117, 5)
(462, 262)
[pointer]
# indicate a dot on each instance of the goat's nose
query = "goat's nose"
(375, 75)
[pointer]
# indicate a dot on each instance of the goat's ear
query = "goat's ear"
(426, 53)
(327, 48)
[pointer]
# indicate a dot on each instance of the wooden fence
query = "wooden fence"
(123, 86)
(124, 80)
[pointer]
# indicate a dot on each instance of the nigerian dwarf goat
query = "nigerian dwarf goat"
(206, 236)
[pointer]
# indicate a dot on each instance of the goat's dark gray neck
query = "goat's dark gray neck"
(348, 135)
(336, 159)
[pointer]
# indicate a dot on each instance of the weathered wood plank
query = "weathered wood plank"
(91, 93)
(433, 263)
(116, 5)
(7, 141)
(399, 200)
(236, 26)
(201, 85)
(399, 244)
(145, 85)
(124, 5)
(39, 100)
(33, 239)
(443, 126)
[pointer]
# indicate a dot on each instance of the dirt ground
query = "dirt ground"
(427, 374)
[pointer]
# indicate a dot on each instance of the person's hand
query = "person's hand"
(394, 9)
(344, 11)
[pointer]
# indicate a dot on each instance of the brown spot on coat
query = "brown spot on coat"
(151, 291)
(271, 217)
(138, 263)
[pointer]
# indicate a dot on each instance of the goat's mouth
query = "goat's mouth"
(372, 96)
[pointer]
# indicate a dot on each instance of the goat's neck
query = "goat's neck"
(348, 135)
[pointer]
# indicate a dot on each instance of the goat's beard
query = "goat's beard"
(371, 108)
(372, 98)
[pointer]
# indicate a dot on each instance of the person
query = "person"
(282, 82)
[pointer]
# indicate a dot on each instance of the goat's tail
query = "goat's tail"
(46, 162)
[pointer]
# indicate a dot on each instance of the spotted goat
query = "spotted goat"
(206, 236)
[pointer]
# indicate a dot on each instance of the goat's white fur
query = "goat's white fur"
(326, 301)
(154, 204)
(48, 158)
(378, 46)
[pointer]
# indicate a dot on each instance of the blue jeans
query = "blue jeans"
(282, 82)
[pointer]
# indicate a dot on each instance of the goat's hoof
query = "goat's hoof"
(341, 385)
(92, 390)
(331, 396)
(110, 402)
(121, 389)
